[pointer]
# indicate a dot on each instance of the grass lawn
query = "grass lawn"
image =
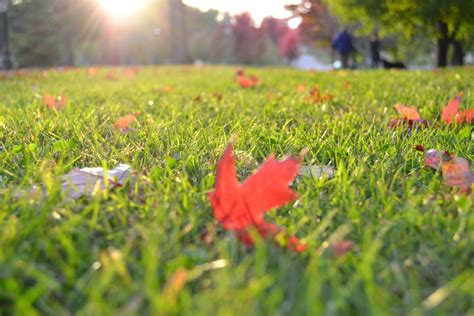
(139, 249)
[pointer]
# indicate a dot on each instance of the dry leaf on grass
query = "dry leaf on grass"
(457, 173)
(88, 181)
(318, 172)
(433, 157)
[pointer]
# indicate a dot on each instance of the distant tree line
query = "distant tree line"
(78, 32)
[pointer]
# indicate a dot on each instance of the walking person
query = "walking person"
(343, 44)
(374, 50)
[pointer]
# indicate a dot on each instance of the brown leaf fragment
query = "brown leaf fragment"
(341, 247)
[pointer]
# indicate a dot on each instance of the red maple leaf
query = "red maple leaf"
(452, 114)
(248, 82)
(240, 207)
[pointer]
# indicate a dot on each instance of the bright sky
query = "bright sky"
(259, 9)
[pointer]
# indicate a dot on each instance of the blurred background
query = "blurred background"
(301, 33)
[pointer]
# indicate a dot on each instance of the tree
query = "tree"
(249, 42)
(317, 22)
(289, 45)
(48, 32)
(274, 28)
(446, 21)
(179, 35)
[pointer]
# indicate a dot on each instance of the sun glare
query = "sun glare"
(121, 8)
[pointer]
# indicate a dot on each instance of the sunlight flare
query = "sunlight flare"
(121, 8)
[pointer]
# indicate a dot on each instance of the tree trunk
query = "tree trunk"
(458, 56)
(179, 40)
(443, 45)
(63, 13)
(5, 61)
(111, 54)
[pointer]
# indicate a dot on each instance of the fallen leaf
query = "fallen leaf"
(218, 96)
(315, 95)
(468, 116)
(434, 158)
(408, 113)
(410, 118)
(164, 89)
(130, 72)
(123, 123)
(53, 102)
(301, 88)
(89, 180)
(248, 82)
(92, 71)
(451, 113)
(240, 72)
(240, 207)
(111, 75)
(457, 173)
(317, 172)
(341, 247)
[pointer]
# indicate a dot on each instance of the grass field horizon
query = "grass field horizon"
(139, 249)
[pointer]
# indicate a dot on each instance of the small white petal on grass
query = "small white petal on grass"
(317, 172)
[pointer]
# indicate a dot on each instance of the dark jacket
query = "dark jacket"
(343, 43)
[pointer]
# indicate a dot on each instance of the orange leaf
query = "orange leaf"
(49, 101)
(164, 89)
(241, 206)
(317, 97)
(301, 88)
(457, 173)
(52, 102)
(92, 71)
(111, 75)
(407, 112)
(124, 122)
(130, 72)
(411, 118)
(450, 112)
(245, 82)
(468, 116)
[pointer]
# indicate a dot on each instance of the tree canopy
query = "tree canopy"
(446, 21)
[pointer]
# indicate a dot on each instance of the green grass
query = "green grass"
(114, 254)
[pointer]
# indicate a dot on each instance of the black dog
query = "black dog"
(395, 65)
